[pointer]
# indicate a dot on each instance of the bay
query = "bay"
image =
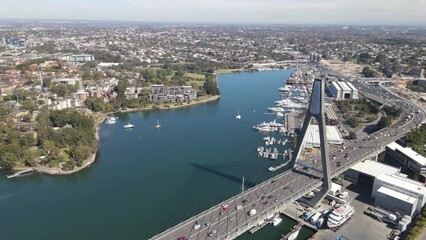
(146, 180)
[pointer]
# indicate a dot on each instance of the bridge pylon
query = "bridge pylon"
(316, 111)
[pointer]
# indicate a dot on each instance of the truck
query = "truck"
(314, 218)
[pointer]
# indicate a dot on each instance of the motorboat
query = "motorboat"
(277, 220)
(340, 215)
(128, 126)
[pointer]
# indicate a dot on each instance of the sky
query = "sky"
(357, 12)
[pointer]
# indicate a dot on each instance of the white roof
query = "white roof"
(408, 152)
(344, 86)
(403, 183)
(373, 168)
(336, 86)
(312, 137)
(394, 194)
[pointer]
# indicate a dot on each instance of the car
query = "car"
(231, 218)
(244, 201)
(181, 238)
(212, 233)
(270, 196)
(197, 225)
(265, 202)
(207, 224)
(238, 207)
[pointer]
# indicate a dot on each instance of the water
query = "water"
(145, 179)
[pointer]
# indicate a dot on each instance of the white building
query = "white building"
(343, 90)
(81, 58)
(407, 157)
(399, 194)
(389, 188)
(66, 103)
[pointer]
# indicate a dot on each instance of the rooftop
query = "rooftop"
(373, 168)
(408, 152)
(403, 183)
(397, 195)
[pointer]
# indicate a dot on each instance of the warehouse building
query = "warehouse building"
(389, 188)
(397, 193)
(343, 90)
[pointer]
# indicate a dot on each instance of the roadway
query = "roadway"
(228, 222)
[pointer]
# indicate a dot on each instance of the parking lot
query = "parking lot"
(360, 226)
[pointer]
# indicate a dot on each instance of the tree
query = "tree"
(368, 72)
(210, 85)
(8, 160)
(384, 122)
(352, 135)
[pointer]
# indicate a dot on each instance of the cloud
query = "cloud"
(225, 11)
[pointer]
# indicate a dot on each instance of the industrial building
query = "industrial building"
(397, 193)
(389, 188)
(343, 90)
(312, 137)
(406, 158)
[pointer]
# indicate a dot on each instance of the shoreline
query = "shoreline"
(169, 107)
(92, 158)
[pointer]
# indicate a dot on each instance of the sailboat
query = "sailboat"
(158, 124)
(238, 116)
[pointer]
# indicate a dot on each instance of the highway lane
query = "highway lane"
(290, 184)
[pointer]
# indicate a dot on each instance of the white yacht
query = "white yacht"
(284, 89)
(277, 220)
(128, 126)
(158, 124)
(340, 215)
(276, 109)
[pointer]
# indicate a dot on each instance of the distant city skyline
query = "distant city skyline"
(357, 12)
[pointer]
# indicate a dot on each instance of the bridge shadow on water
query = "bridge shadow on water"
(247, 183)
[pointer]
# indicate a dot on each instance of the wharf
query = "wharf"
(258, 226)
(294, 120)
(19, 173)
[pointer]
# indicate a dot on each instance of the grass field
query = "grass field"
(194, 75)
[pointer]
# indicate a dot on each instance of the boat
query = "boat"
(238, 115)
(158, 124)
(277, 220)
(128, 126)
(340, 215)
(284, 89)
(280, 114)
(294, 234)
(276, 109)
(111, 120)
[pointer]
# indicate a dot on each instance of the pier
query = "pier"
(19, 173)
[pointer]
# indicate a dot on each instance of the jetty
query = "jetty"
(19, 173)
(258, 226)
